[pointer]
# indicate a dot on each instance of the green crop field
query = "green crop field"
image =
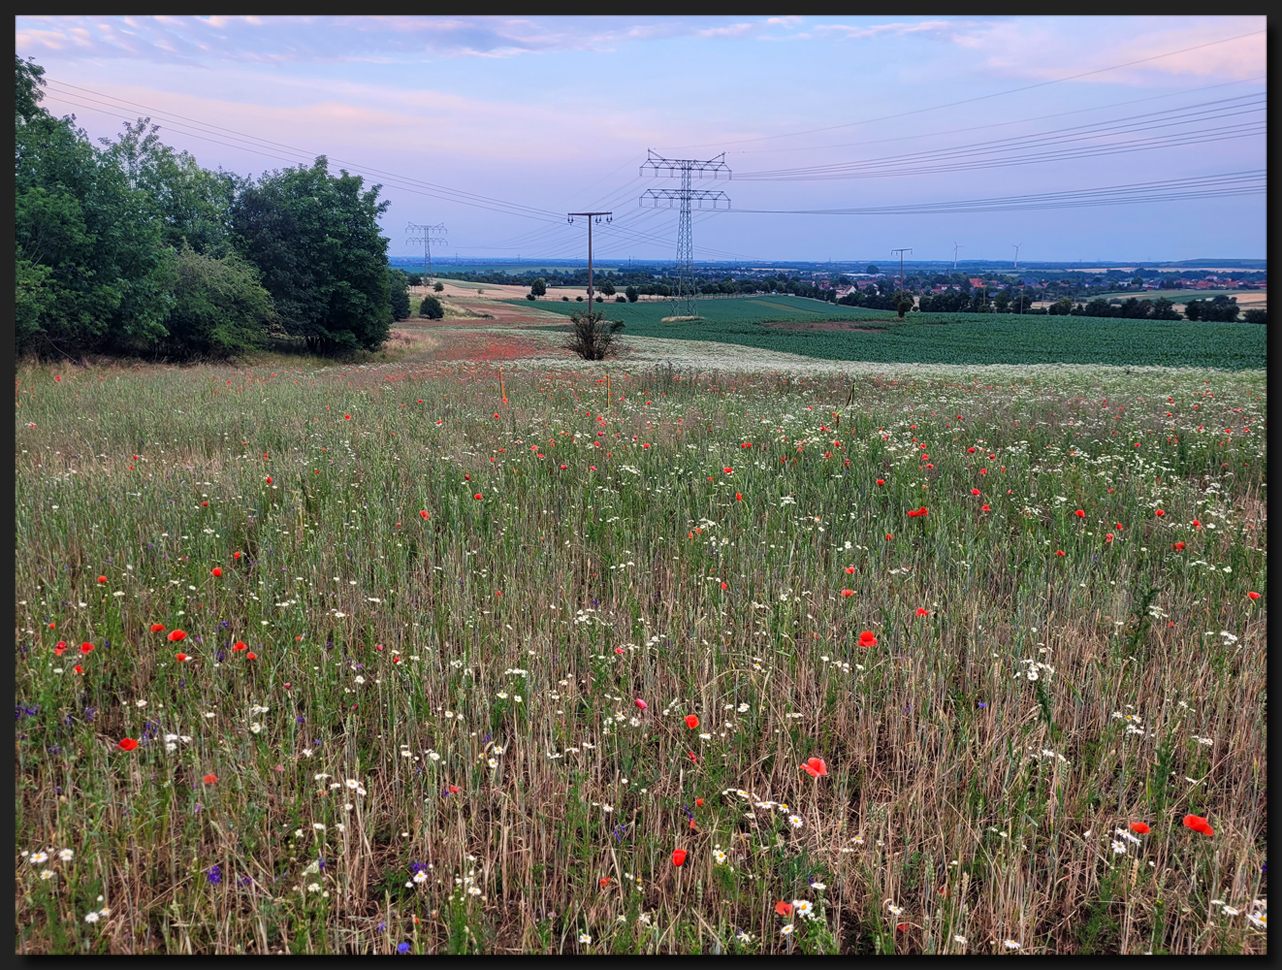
(1181, 296)
(370, 660)
(947, 338)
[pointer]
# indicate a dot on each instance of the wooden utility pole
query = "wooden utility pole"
(609, 217)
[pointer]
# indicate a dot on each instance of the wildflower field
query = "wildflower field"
(417, 660)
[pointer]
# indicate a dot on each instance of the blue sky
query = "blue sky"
(497, 126)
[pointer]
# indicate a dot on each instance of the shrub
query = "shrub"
(567, 299)
(620, 299)
(530, 297)
(592, 336)
(1256, 316)
(431, 309)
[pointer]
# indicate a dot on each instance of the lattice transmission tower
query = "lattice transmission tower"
(427, 232)
(683, 292)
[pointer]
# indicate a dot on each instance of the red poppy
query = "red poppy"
(728, 470)
(78, 669)
(850, 569)
(698, 803)
(889, 537)
(694, 760)
(738, 497)
(181, 657)
(1080, 514)
(269, 479)
(1198, 824)
(127, 744)
(210, 779)
(881, 481)
(902, 927)
(1159, 513)
(1059, 552)
(912, 513)
(251, 656)
(1179, 546)
(692, 721)
(815, 768)
(603, 881)
(158, 628)
(1254, 595)
(1109, 537)
(216, 571)
(423, 513)
(847, 592)
(477, 496)
(985, 509)
(60, 648)
(102, 579)
(453, 789)
(235, 555)
(970, 451)
(678, 857)
(176, 635)
(1140, 827)
(86, 648)
(783, 909)
(922, 511)
(922, 611)
(347, 416)
(866, 639)
(974, 491)
(642, 704)
(1196, 524)
(239, 645)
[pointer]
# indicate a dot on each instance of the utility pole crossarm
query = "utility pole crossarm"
(426, 239)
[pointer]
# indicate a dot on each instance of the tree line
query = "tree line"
(131, 248)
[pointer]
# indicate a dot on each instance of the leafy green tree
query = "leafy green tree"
(631, 294)
(399, 294)
(431, 308)
(438, 286)
(539, 287)
(220, 310)
(606, 288)
(315, 239)
(1256, 315)
(92, 270)
(1001, 302)
(1164, 309)
(872, 270)
(27, 93)
(591, 335)
(1061, 307)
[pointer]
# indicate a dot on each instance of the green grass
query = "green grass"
(454, 694)
(949, 338)
(1175, 296)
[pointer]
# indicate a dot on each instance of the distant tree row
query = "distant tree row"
(133, 248)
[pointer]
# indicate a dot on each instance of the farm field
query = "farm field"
(400, 658)
(1245, 298)
(849, 333)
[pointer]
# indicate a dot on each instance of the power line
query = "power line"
(982, 97)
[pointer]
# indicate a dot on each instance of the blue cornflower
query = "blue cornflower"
(214, 874)
(402, 948)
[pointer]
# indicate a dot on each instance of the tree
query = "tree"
(399, 296)
(872, 270)
(1164, 309)
(903, 303)
(27, 94)
(431, 308)
(1001, 302)
(631, 294)
(606, 288)
(539, 287)
(1256, 315)
(438, 287)
(221, 310)
(1061, 307)
(592, 336)
(315, 239)
(92, 272)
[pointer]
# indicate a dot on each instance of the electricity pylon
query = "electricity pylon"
(683, 292)
(427, 244)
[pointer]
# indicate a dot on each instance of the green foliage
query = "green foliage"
(592, 336)
(221, 309)
(1256, 315)
(438, 287)
(631, 294)
(539, 287)
(315, 239)
(431, 308)
(27, 93)
(399, 294)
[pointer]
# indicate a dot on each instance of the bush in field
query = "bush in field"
(431, 308)
(631, 294)
(438, 287)
(592, 336)
(539, 287)
(220, 310)
(1256, 316)
(399, 294)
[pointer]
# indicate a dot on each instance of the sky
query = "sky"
(843, 137)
